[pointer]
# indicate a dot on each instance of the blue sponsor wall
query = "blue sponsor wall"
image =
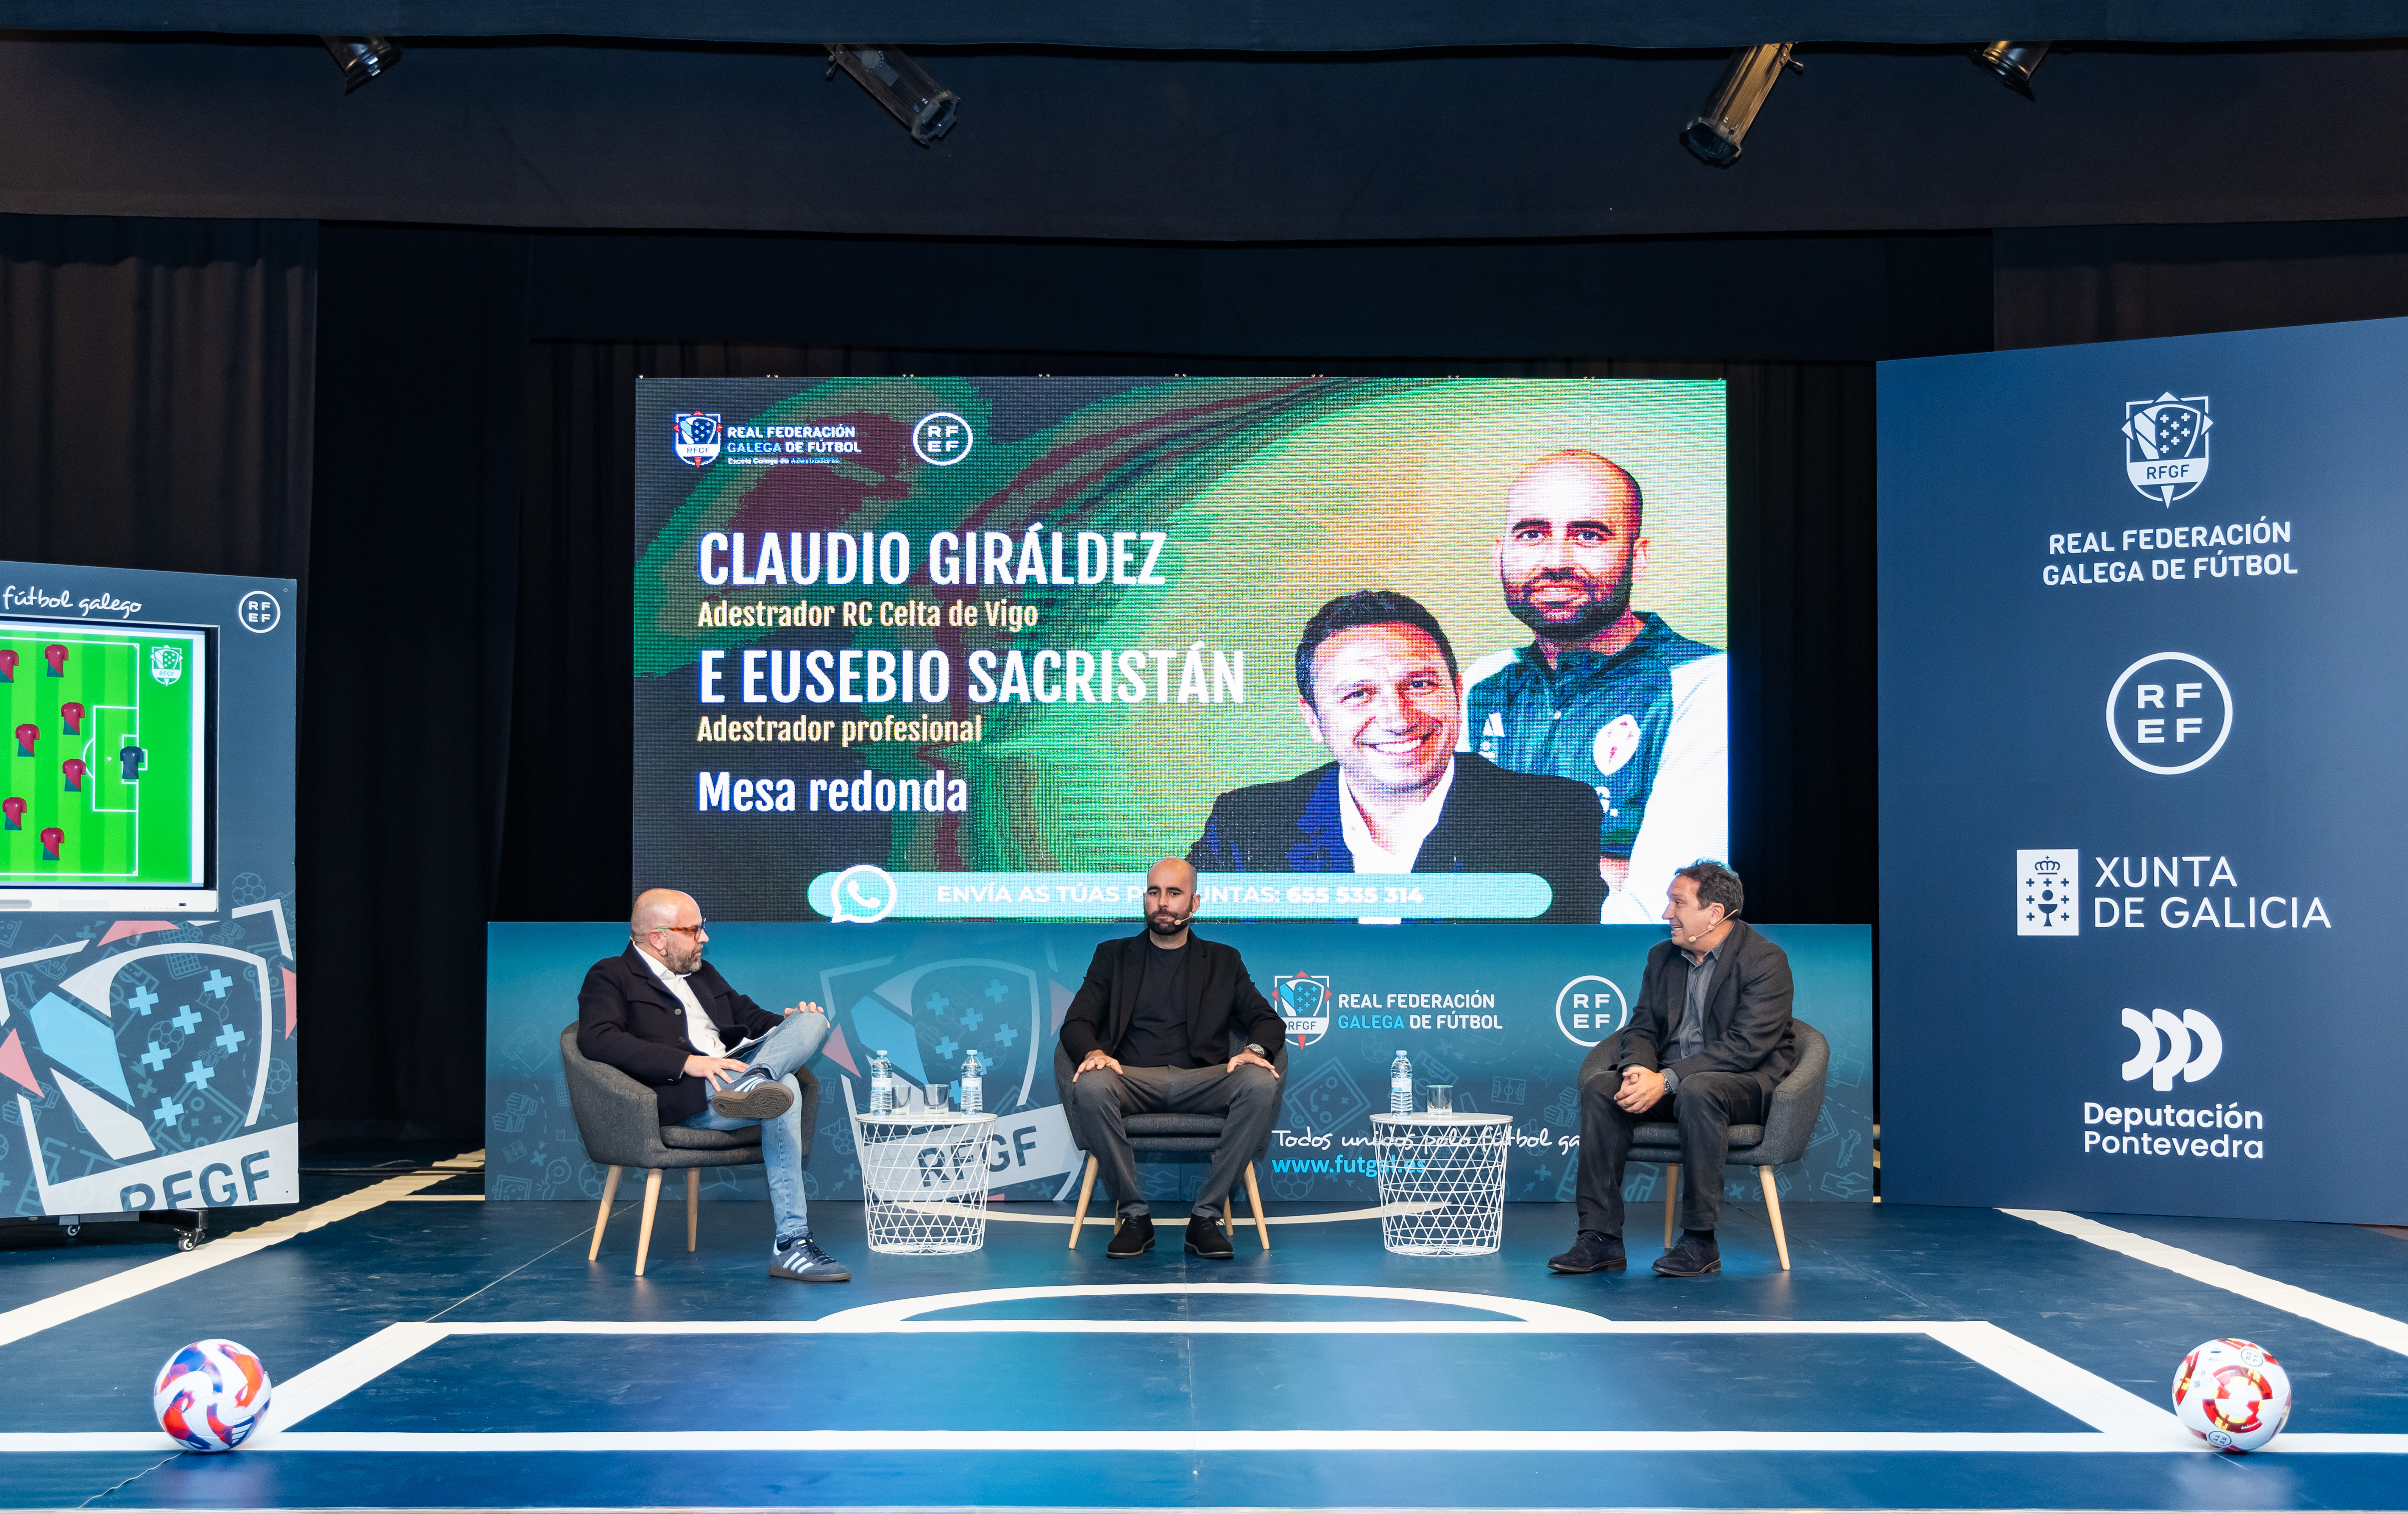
(1502, 1012)
(2141, 805)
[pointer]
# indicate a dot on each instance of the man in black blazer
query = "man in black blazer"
(1378, 686)
(1149, 1034)
(1707, 1043)
(663, 1015)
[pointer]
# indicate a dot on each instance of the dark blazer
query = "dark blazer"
(1495, 821)
(1747, 1011)
(1219, 995)
(627, 1018)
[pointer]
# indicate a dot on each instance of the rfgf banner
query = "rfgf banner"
(2140, 806)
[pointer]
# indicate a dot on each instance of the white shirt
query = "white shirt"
(1411, 829)
(698, 1028)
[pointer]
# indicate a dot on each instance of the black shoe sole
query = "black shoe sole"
(765, 1100)
(1111, 1255)
(1706, 1271)
(785, 1276)
(1622, 1265)
(1195, 1250)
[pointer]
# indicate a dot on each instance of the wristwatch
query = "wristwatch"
(1256, 1050)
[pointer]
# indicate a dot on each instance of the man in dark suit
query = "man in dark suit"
(663, 1015)
(1149, 1032)
(1378, 687)
(1707, 1043)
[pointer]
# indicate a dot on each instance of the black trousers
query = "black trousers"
(1705, 1107)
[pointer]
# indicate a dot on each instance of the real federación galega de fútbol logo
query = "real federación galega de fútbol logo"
(2165, 445)
(697, 436)
(1304, 1004)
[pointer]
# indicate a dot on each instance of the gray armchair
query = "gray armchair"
(1788, 1125)
(619, 1121)
(1167, 1133)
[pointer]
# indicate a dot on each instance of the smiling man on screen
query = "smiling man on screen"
(1377, 685)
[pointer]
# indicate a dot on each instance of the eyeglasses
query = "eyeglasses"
(694, 928)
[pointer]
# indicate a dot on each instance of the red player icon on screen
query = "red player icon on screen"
(130, 759)
(8, 660)
(14, 808)
(71, 718)
(25, 736)
(75, 769)
(52, 839)
(57, 655)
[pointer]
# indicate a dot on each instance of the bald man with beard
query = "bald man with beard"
(1609, 697)
(663, 1015)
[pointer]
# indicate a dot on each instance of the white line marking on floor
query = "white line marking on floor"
(2349, 1318)
(29, 1319)
(889, 1313)
(1236, 1442)
(439, 1198)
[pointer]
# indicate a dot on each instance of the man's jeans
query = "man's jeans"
(791, 1043)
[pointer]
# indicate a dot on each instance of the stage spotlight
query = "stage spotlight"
(899, 84)
(361, 58)
(1716, 136)
(2012, 62)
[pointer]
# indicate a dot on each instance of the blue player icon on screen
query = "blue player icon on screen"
(130, 760)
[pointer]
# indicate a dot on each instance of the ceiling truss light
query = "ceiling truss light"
(1719, 129)
(898, 82)
(2012, 62)
(361, 58)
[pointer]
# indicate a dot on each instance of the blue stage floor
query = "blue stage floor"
(465, 1354)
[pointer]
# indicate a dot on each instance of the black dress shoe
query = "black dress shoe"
(1132, 1237)
(1205, 1239)
(1593, 1251)
(1695, 1256)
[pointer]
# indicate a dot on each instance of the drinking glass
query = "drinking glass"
(1441, 1098)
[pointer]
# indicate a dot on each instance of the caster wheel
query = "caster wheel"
(72, 1230)
(187, 1241)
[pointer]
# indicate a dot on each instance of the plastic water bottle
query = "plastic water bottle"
(973, 1086)
(1400, 1084)
(882, 1083)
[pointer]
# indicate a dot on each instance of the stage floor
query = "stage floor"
(432, 1350)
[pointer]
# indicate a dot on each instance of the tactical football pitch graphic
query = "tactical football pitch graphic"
(102, 732)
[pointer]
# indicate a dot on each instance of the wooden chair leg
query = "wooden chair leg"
(652, 1201)
(693, 1204)
(1086, 1188)
(1671, 1199)
(602, 1216)
(1772, 1207)
(1254, 1199)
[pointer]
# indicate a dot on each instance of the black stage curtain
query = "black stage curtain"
(406, 704)
(156, 380)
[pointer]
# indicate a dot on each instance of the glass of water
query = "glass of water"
(935, 1098)
(1441, 1098)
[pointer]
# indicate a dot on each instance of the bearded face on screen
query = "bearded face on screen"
(1571, 552)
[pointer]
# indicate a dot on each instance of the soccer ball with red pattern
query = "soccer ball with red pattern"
(211, 1395)
(2232, 1394)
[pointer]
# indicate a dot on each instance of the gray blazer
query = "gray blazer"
(1747, 1012)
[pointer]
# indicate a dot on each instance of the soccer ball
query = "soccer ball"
(211, 1395)
(2232, 1394)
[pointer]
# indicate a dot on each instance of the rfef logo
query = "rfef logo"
(1588, 1009)
(942, 438)
(2047, 887)
(1304, 1004)
(2169, 713)
(2165, 445)
(2190, 1047)
(697, 436)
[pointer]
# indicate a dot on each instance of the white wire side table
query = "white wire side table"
(1441, 1182)
(924, 1179)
